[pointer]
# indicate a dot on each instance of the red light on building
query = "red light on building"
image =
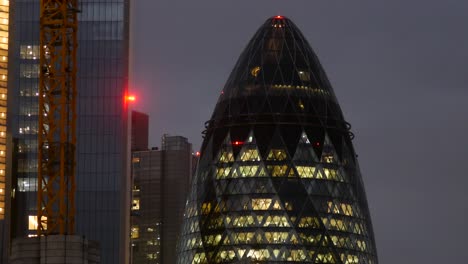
(317, 144)
(237, 143)
(197, 154)
(279, 17)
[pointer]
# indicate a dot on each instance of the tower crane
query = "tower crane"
(57, 117)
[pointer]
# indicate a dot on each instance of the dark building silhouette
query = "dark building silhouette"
(160, 182)
(102, 188)
(278, 180)
(139, 137)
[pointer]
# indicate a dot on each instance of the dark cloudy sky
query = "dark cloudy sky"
(399, 69)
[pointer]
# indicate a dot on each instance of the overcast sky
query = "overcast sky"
(399, 70)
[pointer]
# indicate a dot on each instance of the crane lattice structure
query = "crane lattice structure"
(57, 117)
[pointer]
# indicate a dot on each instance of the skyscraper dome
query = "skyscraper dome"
(278, 180)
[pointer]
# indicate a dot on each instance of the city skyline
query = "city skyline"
(397, 67)
(399, 70)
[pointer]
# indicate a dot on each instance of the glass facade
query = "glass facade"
(101, 122)
(278, 180)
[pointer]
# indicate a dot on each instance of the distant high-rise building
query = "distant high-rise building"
(102, 152)
(160, 183)
(278, 180)
(139, 137)
(4, 40)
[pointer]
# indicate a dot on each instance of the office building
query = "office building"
(102, 154)
(160, 184)
(4, 40)
(278, 180)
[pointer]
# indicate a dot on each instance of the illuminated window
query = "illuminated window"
(27, 184)
(305, 171)
(152, 255)
(226, 157)
(255, 71)
(225, 255)
(262, 173)
(325, 258)
(136, 160)
(243, 237)
(309, 222)
(301, 105)
(277, 237)
(331, 174)
(276, 221)
(250, 155)
(259, 254)
(277, 170)
(299, 255)
(310, 239)
(241, 221)
(33, 224)
(29, 52)
(277, 155)
(135, 232)
(136, 204)
(261, 204)
(222, 173)
(361, 245)
(248, 171)
(349, 259)
(340, 208)
(206, 208)
(200, 258)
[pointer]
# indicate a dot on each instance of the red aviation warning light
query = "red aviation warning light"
(129, 99)
(237, 143)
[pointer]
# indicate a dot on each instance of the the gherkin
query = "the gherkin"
(278, 180)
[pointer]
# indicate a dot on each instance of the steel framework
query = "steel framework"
(57, 117)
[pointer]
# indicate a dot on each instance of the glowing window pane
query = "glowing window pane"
(330, 174)
(250, 155)
(222, 173)
(206, 208)
(135, 232)
(261, 204)
(305, 171)
(136, 204)
(255, 71)
(277, 170)
(226, 157)
(248, 171)
(277, 155)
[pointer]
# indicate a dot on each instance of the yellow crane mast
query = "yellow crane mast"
(57, 117)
